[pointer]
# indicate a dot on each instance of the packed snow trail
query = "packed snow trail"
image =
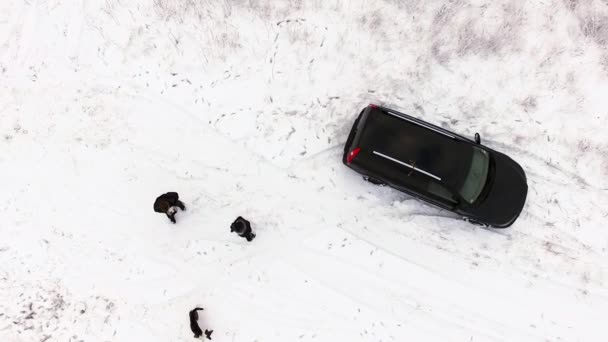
(243, 108)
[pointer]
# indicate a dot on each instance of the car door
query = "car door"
(428, 190)
(437, 194)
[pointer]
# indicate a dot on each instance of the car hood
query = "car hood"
(506, 195)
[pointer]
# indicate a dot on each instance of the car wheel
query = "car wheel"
(373, 181)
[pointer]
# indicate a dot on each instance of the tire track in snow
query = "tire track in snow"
(447, 315)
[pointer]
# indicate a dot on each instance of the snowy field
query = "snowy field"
(243, 108)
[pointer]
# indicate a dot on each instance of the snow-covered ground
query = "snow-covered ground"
(243, 108)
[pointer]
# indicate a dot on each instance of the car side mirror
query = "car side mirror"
(477, 138)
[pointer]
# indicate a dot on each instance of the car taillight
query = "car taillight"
(352, 155)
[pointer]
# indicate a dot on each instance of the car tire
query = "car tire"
(475, 222)
(373, 181)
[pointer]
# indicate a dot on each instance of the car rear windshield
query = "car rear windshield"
(476, 177)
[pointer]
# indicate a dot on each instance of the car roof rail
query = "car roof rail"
(418, 122)
(413, 167)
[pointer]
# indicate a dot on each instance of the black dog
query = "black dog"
(194, 324)
(243, 228)
(168, 204)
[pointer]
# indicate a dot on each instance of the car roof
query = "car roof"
(397, 138)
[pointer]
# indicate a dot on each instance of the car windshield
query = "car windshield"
(477, 175)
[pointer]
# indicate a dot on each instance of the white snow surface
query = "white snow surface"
(243, 108)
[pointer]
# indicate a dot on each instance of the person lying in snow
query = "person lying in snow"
(243, 228)
(198, 332)
(168, 204)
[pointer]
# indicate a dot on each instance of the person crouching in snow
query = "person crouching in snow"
(243, 228)
(168, 204)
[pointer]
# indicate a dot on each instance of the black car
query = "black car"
(438, 166)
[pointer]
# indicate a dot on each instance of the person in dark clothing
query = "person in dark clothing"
(243, 228)
(168, 204)
(198, 332)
